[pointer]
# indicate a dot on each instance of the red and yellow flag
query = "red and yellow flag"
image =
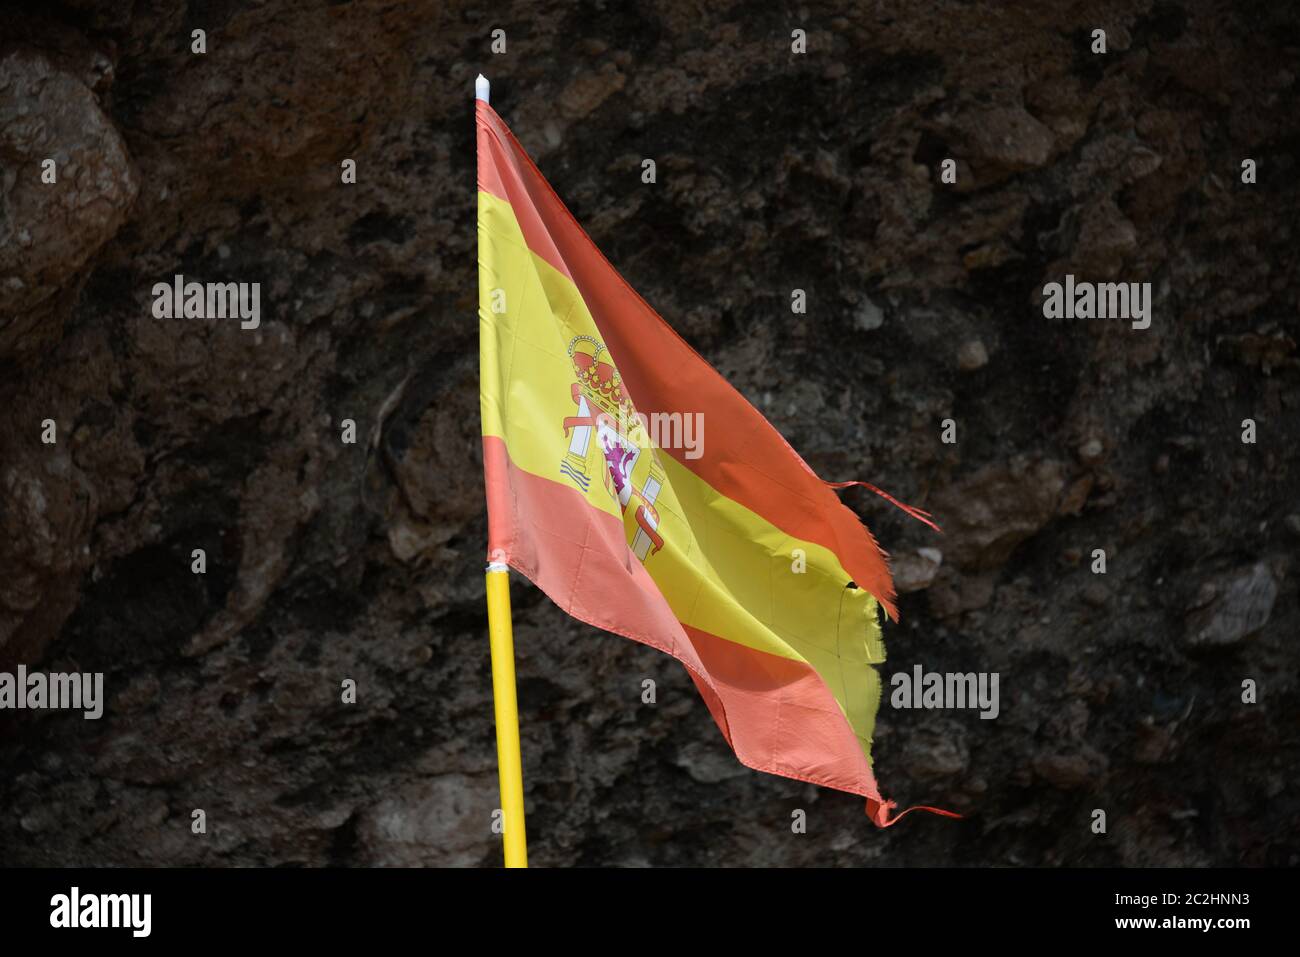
(645, 496)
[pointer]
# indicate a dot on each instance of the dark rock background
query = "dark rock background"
(776, 171)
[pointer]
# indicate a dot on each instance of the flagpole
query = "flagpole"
(501, 639)
(509, 764)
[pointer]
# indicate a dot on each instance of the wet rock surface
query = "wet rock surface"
(329, 562)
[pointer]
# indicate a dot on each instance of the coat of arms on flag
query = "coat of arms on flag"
(606, 436)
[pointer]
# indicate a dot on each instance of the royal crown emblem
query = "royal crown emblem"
(621, 453)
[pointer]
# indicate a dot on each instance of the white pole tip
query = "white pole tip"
(482, 88)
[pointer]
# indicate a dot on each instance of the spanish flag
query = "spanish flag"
(645, 496)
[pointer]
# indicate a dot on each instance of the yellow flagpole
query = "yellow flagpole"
(509, 764)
